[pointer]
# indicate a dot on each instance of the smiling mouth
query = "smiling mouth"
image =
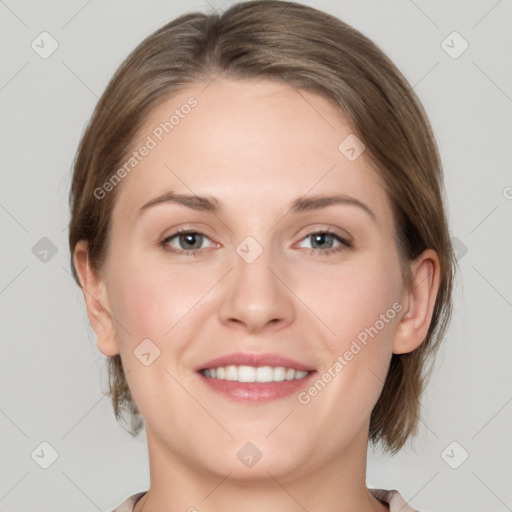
(245, 374)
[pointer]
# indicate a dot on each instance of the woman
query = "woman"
(259, 232)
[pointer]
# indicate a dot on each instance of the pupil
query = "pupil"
(189, 237)
(321, 237)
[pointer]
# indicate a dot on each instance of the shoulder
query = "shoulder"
(127, 506)
(393, 499)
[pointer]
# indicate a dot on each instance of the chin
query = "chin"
(260, 458)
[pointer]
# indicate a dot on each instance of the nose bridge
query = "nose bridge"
(255, 297)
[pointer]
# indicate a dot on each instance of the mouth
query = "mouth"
(252, 377)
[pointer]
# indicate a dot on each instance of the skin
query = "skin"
(255, 146)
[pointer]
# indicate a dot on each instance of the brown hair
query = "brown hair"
(310, 50)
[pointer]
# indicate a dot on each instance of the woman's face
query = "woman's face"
(256, 276)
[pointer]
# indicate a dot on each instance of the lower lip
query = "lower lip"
(256, 391)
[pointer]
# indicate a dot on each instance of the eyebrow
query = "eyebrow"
(212, 205)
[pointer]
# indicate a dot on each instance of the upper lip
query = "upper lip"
(253, 359)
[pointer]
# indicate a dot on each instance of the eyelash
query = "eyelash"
(345, 244)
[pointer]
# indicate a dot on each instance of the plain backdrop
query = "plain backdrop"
(53, 411)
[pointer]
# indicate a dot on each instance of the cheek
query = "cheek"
(155, 302)
(152, 298)
(354, 297)
(360, 305)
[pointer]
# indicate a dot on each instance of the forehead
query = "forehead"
(246, 140)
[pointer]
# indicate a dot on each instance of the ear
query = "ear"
(418, 303)
(96, 300)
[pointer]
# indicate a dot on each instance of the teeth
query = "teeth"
(254, 374)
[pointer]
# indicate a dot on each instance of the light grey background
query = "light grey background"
(52, 375)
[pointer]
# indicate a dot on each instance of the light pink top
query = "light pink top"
(392, 498)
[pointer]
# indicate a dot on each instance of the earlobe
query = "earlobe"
(96, 300)
(419, 303)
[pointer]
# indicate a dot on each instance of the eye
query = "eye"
(188, 239)
(323, 241)
(190, 242)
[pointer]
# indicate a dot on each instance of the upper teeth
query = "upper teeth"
(254, 374)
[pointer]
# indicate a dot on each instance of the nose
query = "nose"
(257, 296)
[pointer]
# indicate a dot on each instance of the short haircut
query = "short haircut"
(312, 51)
